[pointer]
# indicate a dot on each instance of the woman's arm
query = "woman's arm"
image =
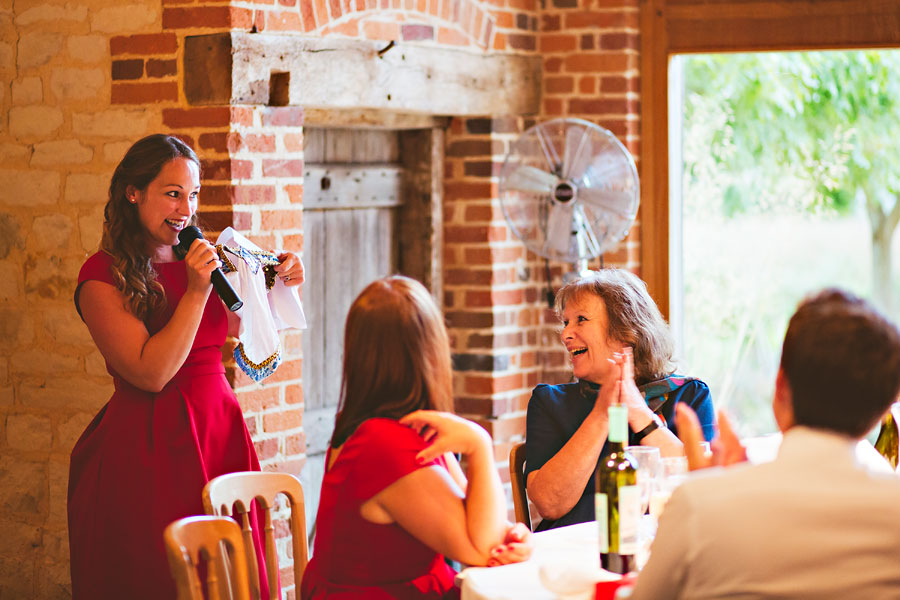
(557, 486)
(148, 362)
(429, 503)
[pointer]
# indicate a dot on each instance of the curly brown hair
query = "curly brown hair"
(634, 319)
(124, 238)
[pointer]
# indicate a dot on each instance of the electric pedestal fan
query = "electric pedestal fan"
(569, 190)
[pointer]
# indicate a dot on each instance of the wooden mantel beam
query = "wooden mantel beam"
(343, 74)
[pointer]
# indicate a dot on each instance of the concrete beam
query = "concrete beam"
(342, 74)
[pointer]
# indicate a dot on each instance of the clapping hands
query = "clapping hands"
(726, 447)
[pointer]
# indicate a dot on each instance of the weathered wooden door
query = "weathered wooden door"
(351, 190)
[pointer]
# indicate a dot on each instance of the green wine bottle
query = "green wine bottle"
(888, 442)
(617, 503)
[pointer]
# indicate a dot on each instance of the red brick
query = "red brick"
(614, 83)
(551, 22)
(380, 30)
(257, 400)
(217, 220)
(289, 116)
(349, 28)
(451, 37)
(558, 43)
(618, 41)
(559, 85)
(259, 143)
(602, 20)
(468, 276)
(289, 370)
(293, 394)
(293, 142)
(266, 449)
(489, 256)
(282, 168)
(143, 93)
(207, 17)
(335, 9)
(282, 20)
(553, 65)
(414, 32)
(161, 68)
(287, 2)
(215, 141)
(476, 384)
(295, 444)
(483, 213)
(295, 193)
(227, 169)
(127, 69)
(183, 118)
(470, 189)
(286, 466)
(617, 106)
(494, 298)
(587, 85)
(597, 62)
(281, 219)
(519, 41)
(309, 17)
(143, 44)
(259, 20)
(228, 195)
(281, 421)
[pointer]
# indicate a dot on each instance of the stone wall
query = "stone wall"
(83, 79)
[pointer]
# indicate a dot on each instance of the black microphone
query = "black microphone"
(186, 237)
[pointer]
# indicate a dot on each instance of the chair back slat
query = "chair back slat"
(517, 480)
(240, 489)
(194, 540)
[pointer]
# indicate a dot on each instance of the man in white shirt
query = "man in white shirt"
(821, 521)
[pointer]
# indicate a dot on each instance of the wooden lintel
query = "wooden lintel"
(338, 74)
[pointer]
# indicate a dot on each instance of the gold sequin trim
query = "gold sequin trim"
(222, 256)
(257, 366)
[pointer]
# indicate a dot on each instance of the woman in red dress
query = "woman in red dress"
(394, 500)
(173, 422)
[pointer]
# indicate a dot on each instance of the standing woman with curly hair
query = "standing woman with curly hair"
(173, 422)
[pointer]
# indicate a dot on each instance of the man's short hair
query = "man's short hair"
(841, 358)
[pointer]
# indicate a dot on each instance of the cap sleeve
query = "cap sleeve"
(383, 451)
(97, 268)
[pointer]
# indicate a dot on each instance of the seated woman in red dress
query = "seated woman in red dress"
(394, 500)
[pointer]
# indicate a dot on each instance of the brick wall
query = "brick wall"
(84, 79)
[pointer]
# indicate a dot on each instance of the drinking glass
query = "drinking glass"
(648, 464)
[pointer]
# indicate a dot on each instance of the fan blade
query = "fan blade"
(530, 179)
(588, 245)
(577, 154)
(619, 202)
(549, 150)
(606, 172)
(560, 229)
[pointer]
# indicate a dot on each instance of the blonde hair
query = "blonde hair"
(396, 356)
(633, 318)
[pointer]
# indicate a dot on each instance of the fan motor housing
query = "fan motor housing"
(564, 192)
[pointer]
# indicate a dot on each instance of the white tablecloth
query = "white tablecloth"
(567, 556)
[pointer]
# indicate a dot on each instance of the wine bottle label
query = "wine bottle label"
(602, 516)
(629, 518)
(618, 423)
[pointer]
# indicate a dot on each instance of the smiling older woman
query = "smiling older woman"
(605, 314)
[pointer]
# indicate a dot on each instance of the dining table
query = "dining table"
(565, 563)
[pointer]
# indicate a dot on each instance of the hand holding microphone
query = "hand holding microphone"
(186, 237)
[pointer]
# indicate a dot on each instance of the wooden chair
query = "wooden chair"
(517, 479)
(233, 494)
(215, 541)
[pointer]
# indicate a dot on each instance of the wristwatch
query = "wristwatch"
(655, 424)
